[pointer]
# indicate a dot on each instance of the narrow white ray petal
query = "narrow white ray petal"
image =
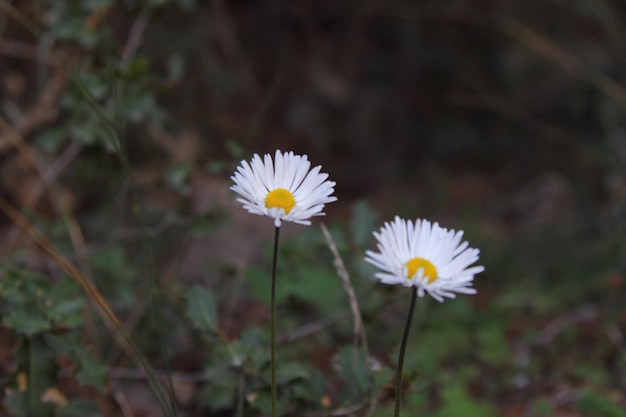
(400, 240)
(311, 189)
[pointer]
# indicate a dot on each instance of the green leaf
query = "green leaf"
(136, 69)
(37, 362)
(254, 345)
(492, 345)
(543, 407)
(319, 287)
(201, 308)
(59, 343)
(355, 371)
(259, 282)
(65, 304)
(217, 397)
(26, 323)
(261, 401)
(221, 390)
(457, 402)
(16, 402)
(599, 406)
(20, 404)
(313, 389)
(91, 371)
(363, 221)
(291, 371)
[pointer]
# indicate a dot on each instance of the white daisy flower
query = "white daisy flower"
(285, 189)
(426, 256)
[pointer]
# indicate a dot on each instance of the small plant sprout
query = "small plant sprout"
(428, 258)
(285, 189)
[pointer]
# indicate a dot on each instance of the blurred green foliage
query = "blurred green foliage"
(599, 405)
(32, 304)
(46, 318)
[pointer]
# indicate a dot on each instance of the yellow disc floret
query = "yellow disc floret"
(414, 264)
(280, 198)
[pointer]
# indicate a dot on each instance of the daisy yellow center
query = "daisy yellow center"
(280, 198)
(414, 264)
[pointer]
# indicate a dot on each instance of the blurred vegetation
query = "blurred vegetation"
(121, 122)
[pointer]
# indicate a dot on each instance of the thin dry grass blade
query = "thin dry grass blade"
(101, 306)
(359, 330)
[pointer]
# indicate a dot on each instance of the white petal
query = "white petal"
(253, 180)
(401, 240)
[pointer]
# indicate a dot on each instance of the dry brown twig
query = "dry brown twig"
(311, 328)
(44, 111)
(122, 403)
(13, 135)
(544, 46)
(58, 196)
(135, 35)
(513, 111)
(359, 330)
(523, 34)
(28, 51)
(101, 306)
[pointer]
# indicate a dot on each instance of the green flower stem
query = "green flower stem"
(273, 322)
(405, 336)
